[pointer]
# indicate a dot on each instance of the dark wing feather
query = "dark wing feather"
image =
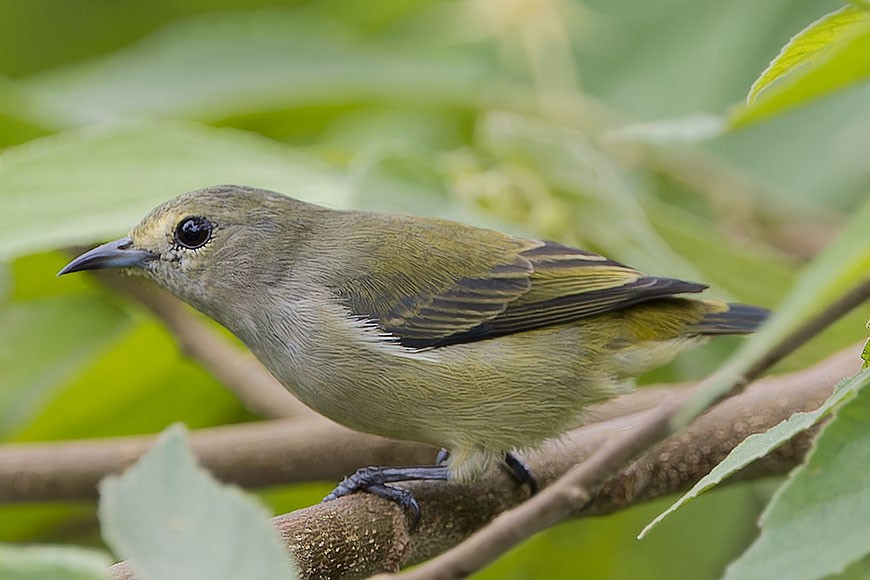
(531, 285)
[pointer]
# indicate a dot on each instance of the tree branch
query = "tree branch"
(249, 455)
(361, 534)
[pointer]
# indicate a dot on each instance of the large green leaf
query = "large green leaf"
(217, 65)
(171, 519)
(830, 54)
(52, 563)
(819, 520)
(93, 184)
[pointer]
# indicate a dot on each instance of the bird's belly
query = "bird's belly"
(494, 394)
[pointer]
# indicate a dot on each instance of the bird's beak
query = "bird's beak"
(117, 254)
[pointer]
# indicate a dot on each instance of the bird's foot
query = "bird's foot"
(442, 457)
(375, 479)
(520, 472)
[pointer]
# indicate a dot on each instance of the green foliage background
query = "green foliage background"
(501, 113)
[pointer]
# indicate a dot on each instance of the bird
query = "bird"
(478, 342)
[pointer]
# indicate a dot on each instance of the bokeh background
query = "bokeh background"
(505, 113)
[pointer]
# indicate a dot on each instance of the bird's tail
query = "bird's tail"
(737, 319)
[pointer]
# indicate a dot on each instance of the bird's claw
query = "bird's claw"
(521, 472)
(373, 480)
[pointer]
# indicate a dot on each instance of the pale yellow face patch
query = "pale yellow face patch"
(156, 231)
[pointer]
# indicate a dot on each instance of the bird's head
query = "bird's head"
(211, 245)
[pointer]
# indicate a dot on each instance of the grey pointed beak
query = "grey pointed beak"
(117, 254)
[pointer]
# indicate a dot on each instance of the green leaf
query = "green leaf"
(829, 55)
(216, 65)
(760, 444)
(94, 184)
(819, 520)
(171, 519)
(44, 342)
(52, 562)
(842, 267)
(808, 46)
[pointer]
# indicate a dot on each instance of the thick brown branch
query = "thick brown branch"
(250, 455)
(236, 369)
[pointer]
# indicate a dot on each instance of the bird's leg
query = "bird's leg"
(442, 457)
(374, 480)
(520, 471)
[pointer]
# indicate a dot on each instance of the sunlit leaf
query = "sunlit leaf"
(829, 55)
(808, 46)
(171, 519)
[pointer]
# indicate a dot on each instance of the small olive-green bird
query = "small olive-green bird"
(417, 328)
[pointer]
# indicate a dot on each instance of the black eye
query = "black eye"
(193, 232)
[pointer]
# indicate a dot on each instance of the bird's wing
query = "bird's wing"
(532, 285)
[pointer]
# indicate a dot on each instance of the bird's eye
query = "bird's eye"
(193, 232)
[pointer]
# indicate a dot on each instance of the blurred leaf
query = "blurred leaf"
(819, 520)
(830, 54)
(52, 563)
(687, 129)
(94, 184)
(93, 405)
(760, 444)
(20, 114)
(49, 522)
(749, 271)
(44, 342)
(605, 209)
(842, 267)
(217, 65)
(171, 519)
(5, 285)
